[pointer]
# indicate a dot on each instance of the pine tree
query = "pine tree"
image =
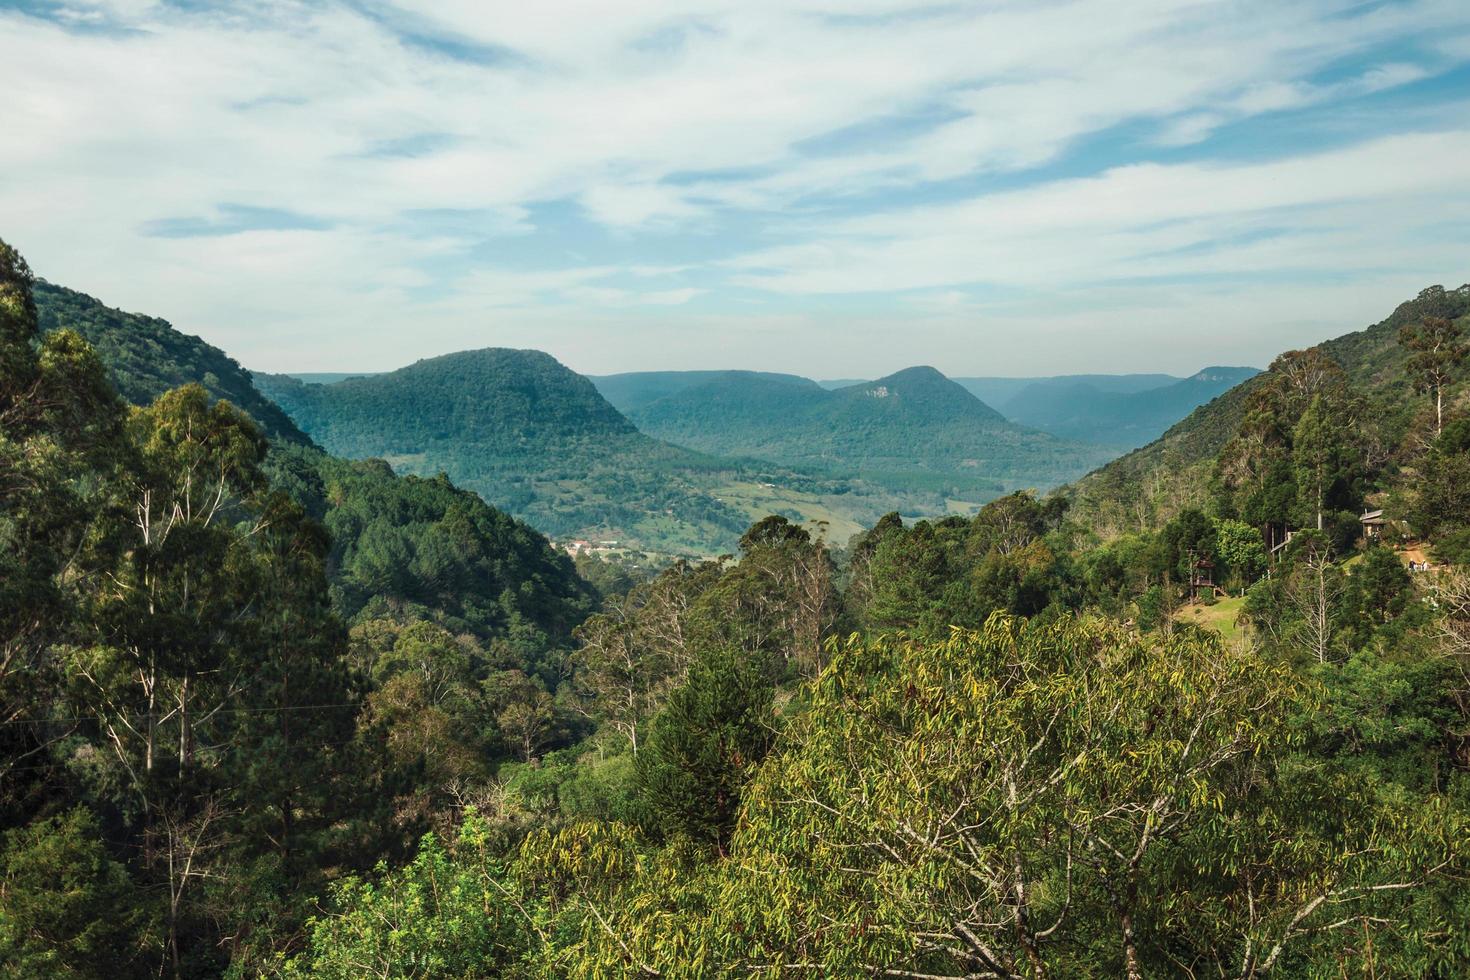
(705, 744)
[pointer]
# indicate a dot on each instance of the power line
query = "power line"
(212, 712)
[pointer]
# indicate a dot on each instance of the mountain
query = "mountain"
(912, 429)
(1106, 415)
(1152, 483)
(633, 391)
(530, 436)
(332, 377)
(999, 391)
(146, 356)
(507, 402)
(400, 545)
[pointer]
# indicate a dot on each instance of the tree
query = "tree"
(1242, 550)
(708, 739)
(1040, 800)
(524, 711)
(67, 909)
(1323, 460)
(1314, 586)
(1439, 350)
(1441, 494)
(450, 913)
(639, 648)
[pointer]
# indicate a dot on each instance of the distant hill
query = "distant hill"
(389, 533)
(529, 435)
(146, 356)
(1152, 483)
(633, 391)
(509, 402)
(330, 377)
(1111, 415)
(1000, 391)
(915, 428)
(997, 391)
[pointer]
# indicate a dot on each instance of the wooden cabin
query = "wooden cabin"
(1202, 578)
(1373, 523)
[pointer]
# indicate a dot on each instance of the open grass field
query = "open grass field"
(758, 500)
(1219, 617)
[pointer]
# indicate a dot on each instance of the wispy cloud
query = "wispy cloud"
(292, 177)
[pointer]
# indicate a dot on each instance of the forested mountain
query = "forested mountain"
(146, 356)
(1083, 411)
(1119, 411)
(996, 391)
(1151, 484)
(915, 428)
(635, 390)
(529, 436)
(502, 401)
(391, 549)
(538, 440)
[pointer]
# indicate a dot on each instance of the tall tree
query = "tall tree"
(1322, 457)
(704, 745)
(1439, 348)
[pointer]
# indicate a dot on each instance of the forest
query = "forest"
(265, 712)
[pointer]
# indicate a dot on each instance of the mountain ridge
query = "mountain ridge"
(912, 427)
(1158, 480)
(146, 356)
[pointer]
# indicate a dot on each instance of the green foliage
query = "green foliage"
(1439, 350)
(405, 547)
(711, 735)
(146, 356)
(1066, 797)
(903, 431)
(1441, 494)
(67, 909)
(447, 915)
(1240, 547)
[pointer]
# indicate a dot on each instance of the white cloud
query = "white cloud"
(184, 110)
(1330, 212)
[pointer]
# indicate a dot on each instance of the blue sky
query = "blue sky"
(837, 189)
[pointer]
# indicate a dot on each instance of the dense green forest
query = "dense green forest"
(146, 356)
(912, 429)
(539, 441)
(1157, 481)
(630, 392)
(265, 712)
(531, 437)
(1119, 411)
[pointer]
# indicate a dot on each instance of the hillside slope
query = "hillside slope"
(914, 428)
(1151, 484)
(1083, 411)
(146, 356)
(635, 390)
(530, 436)
(391, 535)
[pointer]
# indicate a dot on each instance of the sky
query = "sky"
(837, 189)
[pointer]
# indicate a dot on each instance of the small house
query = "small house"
(1202, 578)
(1372, 523)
